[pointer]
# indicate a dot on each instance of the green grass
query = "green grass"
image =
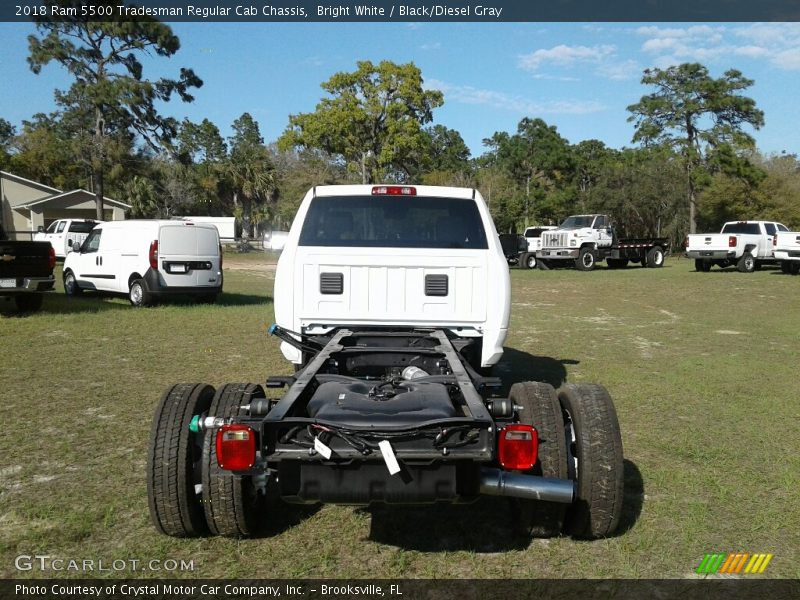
(702, 367)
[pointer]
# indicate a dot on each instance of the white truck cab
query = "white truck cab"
(400, 257)
(574, 232)
(534, 236)
(63, 233)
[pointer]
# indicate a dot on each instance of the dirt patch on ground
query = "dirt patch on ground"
(250, 266)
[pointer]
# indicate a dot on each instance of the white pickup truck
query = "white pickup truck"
(746, 244)
(63, 233)
(787, 251)
(533, 235)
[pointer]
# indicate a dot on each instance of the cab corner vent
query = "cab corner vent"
(436, 285)
(331, 283)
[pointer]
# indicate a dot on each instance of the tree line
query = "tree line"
(694, 164)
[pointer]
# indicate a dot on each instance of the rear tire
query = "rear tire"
(29, 303)
(587, 259)
(655, 257)
(71, 287)
(746, 264)
(173, 462)
(596, 460)
(138, 294)
(542, 264)
(530, 261)
(794, 267)
(617, 263)
(232, 502)
(702, 265)
(540, 408)
(785, 266)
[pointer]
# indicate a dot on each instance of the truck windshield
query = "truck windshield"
(577, 222)
(751, 228)
(393, 222)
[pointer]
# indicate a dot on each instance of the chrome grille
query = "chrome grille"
(554, 240)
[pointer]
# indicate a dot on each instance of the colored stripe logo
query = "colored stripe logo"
(737, 563)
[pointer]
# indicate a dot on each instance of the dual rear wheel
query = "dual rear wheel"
(579, 439)
(189, 495)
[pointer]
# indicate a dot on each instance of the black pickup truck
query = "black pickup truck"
(26, 271)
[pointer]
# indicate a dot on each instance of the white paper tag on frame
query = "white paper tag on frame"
(389, 457)
(321, 448)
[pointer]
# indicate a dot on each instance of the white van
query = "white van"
(147, 259)
(398, 257)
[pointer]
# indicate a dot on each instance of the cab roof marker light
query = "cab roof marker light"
(394, 190)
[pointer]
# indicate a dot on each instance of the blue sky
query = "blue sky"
(578, 77)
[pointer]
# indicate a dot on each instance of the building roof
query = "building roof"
(66, 195)
(34, 184)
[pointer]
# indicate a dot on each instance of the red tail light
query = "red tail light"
(52, 257)
(236, 447)
(518, 447)
(394, 190)
(154, 254)
(775, 240)
(732, 241)
(686, 242)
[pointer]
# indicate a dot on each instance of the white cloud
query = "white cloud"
(659, 44)
(778, 43)
(554, 77)
(466, 94)
(695, 31)
(565, 56)
(770, 34)
(431, 46)
(751, 51)
(788, 59)
(602, 57)
(620, 71)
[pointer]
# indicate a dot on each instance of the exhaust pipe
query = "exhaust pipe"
(495, 482)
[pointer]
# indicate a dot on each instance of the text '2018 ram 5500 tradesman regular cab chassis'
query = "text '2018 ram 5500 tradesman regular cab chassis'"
(391, 301)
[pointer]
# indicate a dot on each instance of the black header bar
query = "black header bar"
(490, 11)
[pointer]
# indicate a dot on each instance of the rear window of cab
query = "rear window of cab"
(393, 222)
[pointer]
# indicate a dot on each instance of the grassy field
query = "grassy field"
(702, 367)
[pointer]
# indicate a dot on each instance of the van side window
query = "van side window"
(770, 228)
(92, 242)
(60, 227)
